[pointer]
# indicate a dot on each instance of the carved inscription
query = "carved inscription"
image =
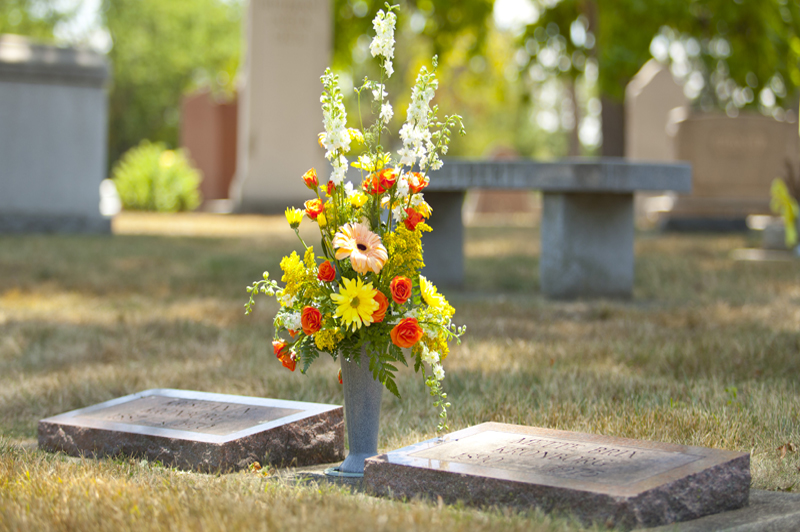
(192, 415)
(559, 458)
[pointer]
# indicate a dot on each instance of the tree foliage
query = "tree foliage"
(33, 18)
(750, 43)
(161, 49)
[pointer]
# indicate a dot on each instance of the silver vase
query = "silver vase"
(362, 413)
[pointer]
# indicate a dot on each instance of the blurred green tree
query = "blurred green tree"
(160, 50)
(33, 18)
(739, 48)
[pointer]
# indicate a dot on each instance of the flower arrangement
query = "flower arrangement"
(784, 202)
(365, 289)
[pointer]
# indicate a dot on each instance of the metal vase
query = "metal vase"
(362, 413)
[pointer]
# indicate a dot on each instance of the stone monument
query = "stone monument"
(734, 161)
(649, 98)
(608, 481)
(200, 431)
(288, 48)
(53, 137)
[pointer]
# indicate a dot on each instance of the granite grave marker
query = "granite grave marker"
(598, 479)
(200, 431)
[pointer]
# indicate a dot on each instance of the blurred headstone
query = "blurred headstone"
(734, 161)
(649, 97)
(288, 49)
(208, 133)
(53, 137)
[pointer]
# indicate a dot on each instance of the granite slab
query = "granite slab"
(200, 431)
(598, 479)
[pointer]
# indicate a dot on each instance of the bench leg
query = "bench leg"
(443, 248)
(587, 245)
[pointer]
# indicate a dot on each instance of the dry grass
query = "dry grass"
(707, 354)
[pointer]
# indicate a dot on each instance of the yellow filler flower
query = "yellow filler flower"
(355, 303)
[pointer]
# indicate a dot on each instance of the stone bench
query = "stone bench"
(587, 218)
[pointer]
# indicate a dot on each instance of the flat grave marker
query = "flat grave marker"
(200, 431)
(598, 479)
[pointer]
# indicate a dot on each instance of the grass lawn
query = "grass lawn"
(708, 354)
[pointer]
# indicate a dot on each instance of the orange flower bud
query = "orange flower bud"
(310, 179)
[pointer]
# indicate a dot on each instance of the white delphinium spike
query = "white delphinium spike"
(383, 42)
(334, 117)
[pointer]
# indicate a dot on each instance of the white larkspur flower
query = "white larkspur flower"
(339, 170)
(379, 92)
(438, 371)
(399, 213)
(428, 356)
(387, 65)
(293, 321)
(383, 42)
(402, 186)
(386, 112)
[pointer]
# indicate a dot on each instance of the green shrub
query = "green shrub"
(151, 178)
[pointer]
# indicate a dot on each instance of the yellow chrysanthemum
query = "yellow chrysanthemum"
(430, 294)
(355, 303)
(294, 217)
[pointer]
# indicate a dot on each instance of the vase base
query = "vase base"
(336, 473)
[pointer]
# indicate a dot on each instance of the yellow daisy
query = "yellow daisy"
(430, 294)
(362, 246)
(355, 303)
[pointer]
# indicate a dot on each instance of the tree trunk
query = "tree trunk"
(613, 126)
(574, 138)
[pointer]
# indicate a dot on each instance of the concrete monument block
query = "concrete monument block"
(734, 161)
(200, 431)
(611, 482)
(649, 98)
(53, 137)
(587, 245)
(288, 49)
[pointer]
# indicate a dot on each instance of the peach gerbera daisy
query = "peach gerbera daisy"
(362, 246)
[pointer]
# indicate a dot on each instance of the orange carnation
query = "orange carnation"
(383, 306)
(406, 333)
(313, 208)
(401, 289)
(311, 319)
(327, 272)
(414, 218)
(310, 179)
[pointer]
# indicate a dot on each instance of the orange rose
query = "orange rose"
(387, 177)
(414, 218)
(313, 208)
(406, 333)
(311, 320)
(327, 272)
(310, 179)
(383, 306)
(401, 289)
(331, 188)
(416, 182)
